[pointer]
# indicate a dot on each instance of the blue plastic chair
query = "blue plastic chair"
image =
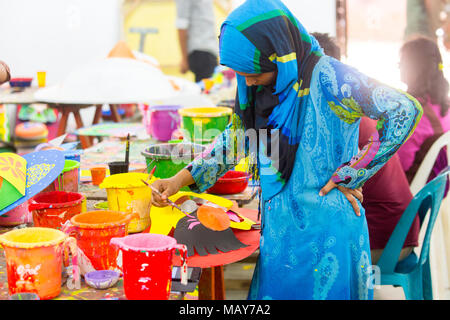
(412, 274)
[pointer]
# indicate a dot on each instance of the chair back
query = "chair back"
(426, 200)
(422, 174)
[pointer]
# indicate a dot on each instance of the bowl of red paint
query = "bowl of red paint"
(232, 182)
(20, 82)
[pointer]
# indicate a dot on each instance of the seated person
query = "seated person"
(422, 71)
(4, 73)
(387, 193)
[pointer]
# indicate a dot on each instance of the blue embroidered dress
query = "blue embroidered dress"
(315, 247)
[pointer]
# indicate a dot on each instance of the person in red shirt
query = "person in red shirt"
(387, 193)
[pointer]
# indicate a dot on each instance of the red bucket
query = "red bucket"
(53, 209)
(232, 182)
(147, 265)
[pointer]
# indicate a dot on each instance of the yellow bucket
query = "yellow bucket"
(127, 193)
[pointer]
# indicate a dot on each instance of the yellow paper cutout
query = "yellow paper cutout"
(13, 169)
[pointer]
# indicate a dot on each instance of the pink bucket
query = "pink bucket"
(18, 215)
(147, 265)
(161, 121)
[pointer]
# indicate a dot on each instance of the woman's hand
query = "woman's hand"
(170, 186)
(350, 194)
(166, 187)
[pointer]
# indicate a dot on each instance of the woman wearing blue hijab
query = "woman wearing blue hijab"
(305, 108)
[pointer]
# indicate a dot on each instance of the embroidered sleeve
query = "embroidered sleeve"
(224, 154)
(351, 95)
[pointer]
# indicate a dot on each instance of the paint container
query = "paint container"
(231, 183)
(102, 279)
(118, 167)
(74, 155)
(93, 231)
(98, 175)
(68, 179)
(34, 260)
(203, 125)
(147, 265)
(17, 216)
(161, 121)
(53, 209)
(170, 158)
(127, 193)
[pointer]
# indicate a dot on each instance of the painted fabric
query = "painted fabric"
(315, 247)
(263, 36)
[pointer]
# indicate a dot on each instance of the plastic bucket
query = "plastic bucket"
(18, 215)
(93, 231)
(68, 179)
(34, 258)
(127, 193)
(53, 209)
(147, 265)
(161, 121)
(170, 158)
(203, 125)
(74, 155)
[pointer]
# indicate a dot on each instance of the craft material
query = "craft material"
(147, 265)
(102, 279)
(42, 168)
(68, 179)
(232, 182)
(171, 158)
(161, 121)
(101, 205)
(93, 231)
(198, 238)
(117, 167)
(98, 175)
(151, 174)
(41, 75)
(213, 218)
(127, 193)
(203, 125)
(20, 82)
(53, 209)
(17, 216)
(34, 260)
(166, 218)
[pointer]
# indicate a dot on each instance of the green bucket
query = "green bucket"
(170, 158)
(204, 124)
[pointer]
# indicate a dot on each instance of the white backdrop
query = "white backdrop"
(56, 35)
(314, 15)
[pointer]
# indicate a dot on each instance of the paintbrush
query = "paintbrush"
(151, 174)
(173, 204)
(127, 151)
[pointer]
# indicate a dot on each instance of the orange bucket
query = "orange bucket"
(93, 231)
(34, 258)
(98, 175)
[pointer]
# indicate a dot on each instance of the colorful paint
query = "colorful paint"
(53, 209)
(127, 193)
(93, 231)
(68, 179)
(147, 265)
(161, 121)
(34, 260)
(17, 216)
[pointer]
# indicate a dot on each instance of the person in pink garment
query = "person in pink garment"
(386, 194)
(422, 71)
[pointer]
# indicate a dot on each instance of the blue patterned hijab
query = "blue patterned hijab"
(263, 36)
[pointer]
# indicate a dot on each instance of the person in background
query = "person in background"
(425, 17)
(386, 194)
(197, 37)
(4, 72)
(302, 109)
(421, 70)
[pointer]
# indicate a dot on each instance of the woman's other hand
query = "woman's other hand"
(350, 194)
